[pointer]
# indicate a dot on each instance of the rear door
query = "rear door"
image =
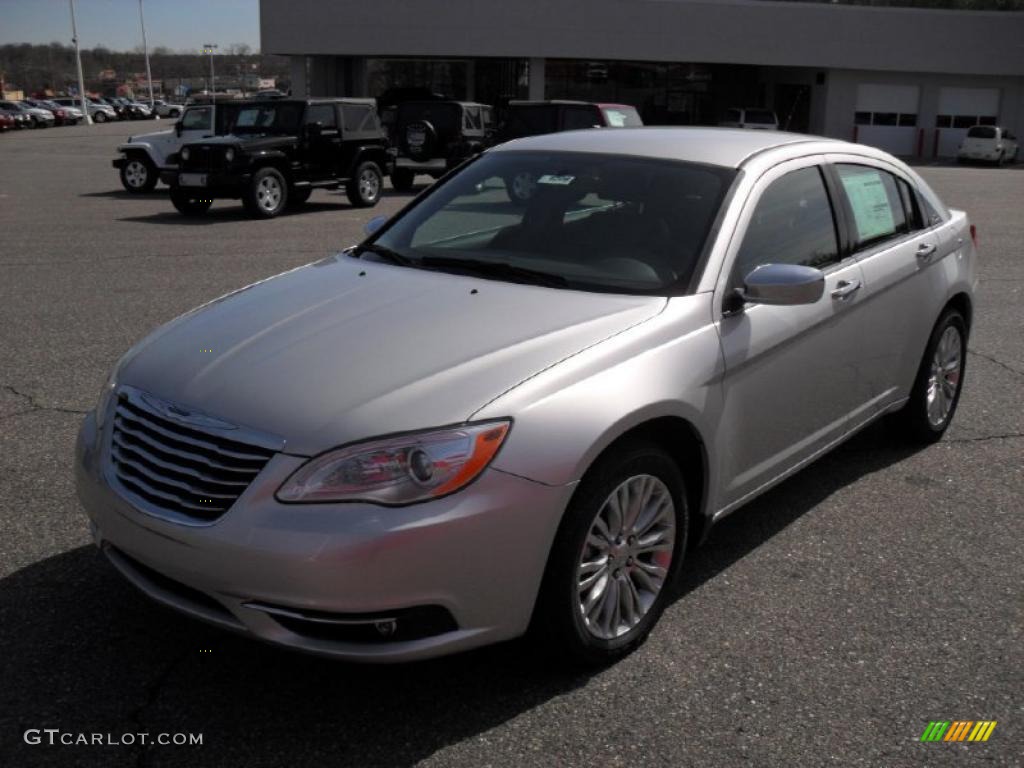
(900, 249)
(794, 375)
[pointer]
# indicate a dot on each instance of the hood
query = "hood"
(155, 135)
(344, 349)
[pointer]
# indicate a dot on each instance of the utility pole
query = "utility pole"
(145, 49)
(78, 61)
(210, 48)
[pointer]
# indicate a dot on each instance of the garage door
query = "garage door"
(959, 109)
(886, 117)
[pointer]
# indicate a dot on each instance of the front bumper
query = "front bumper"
(478, 556)
(218, 183)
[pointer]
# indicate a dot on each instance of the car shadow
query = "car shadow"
(121, 194)
(219, 215)
(85, 653)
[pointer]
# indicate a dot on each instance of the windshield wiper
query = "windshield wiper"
(495, 269)
(388, 254)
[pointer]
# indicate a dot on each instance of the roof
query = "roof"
(728, 147)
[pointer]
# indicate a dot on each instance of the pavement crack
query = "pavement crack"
(35, 405)
(985, 438)
(998, 362)
(152, 691)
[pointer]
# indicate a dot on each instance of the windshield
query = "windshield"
(592, 221)
(268, 118)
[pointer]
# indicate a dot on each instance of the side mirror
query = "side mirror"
(783, 284)
(374, 224)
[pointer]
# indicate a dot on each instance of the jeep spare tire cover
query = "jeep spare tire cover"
(420, 138)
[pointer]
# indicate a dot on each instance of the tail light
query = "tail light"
(974, 235)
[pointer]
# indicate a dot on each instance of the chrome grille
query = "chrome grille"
(180, 468)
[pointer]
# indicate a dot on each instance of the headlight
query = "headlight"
(185, 153)
(229, 154)
(398, 470)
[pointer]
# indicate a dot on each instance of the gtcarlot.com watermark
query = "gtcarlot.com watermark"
(55, 737)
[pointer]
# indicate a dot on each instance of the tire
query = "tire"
(419, 149)
(561, 622)
(364, 188)
(100, 117)
(138, 175)
(521, 187)
(266, 196)
(297, 197)
(934, 397)
(403, 179)
(188, 204)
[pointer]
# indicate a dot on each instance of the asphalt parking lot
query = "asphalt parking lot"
(825, 624)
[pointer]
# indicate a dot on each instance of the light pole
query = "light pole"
(145, 49)
(210, 48)
(78, 61)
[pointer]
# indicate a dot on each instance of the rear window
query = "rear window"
(982, 132)
(622, 117)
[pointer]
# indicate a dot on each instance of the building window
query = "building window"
(901, 119)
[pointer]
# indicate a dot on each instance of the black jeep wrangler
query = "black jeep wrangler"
(278, 151)
(435, 136)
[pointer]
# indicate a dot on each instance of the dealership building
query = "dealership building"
(908, 80)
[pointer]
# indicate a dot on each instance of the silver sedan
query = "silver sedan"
(501, 415)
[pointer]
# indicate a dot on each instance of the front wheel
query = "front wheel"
(364, 188)
(940, 379)
(267, 194)
(615, 556)
(188, 203)
(138, 175)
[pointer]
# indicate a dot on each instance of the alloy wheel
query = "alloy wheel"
(136, 173)
(268, 193)
(369, 185)
(944, 379)
(626, 556)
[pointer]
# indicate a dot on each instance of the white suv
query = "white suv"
(991, 143)
(144, 156)
(749, 117)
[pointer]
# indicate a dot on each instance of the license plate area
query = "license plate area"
(192, 179)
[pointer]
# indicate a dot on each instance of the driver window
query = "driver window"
(792, 224)
(196, 120)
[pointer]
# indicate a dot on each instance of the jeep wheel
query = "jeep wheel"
(403, 180)
(138, 174)
(364, 188)
(267, 194)
(297, 196)
(521, 187)
(188, 204)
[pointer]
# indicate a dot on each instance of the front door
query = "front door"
(793, 374)
(322, 149)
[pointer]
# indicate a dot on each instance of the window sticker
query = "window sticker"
(560, 181)
(870, 203)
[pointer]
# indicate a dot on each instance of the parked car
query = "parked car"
(167, 109)
(989, 143)
(99, 112)
(534, 118)
(279, 151)
(62, 115)
(143, 157)
(18, 118)
(488, 419)
(130, 110)
(754, 118)
(432, 137)
(36, 118)
(6, 121)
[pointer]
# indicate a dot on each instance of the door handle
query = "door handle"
(925, 250)
(845, 288)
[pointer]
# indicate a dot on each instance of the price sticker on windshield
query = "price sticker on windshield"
(560, 181)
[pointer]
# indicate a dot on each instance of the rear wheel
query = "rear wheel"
(615, 556)
(403, 179)
(189, 203)
(521, 187)
(940, 379)
(267, 194)
(99, 117)
(138, 175)
(364, 188)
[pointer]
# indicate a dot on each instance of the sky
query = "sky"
(114, 24)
